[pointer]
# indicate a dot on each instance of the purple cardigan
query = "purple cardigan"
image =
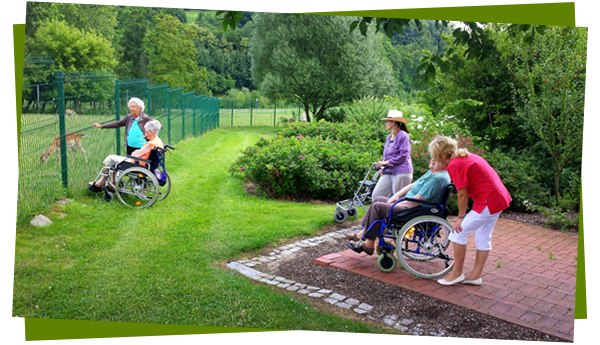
(126, 121)
(397, 152)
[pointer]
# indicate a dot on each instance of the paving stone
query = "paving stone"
(283, 285)
(370, 317)
(389, 322)
(360, 311)
(365, 307)
(303, 291)
(338, 297)
(313, 288)
(353, 302)
(344, 305)
(331, 300)
(315, 294)
(302, 286)
(270, 277)
(293, 288)
(325, 291)
(406, 321)
(295, 249)
(287, 281)
(392, 317)
(279, 279)
(401, 328)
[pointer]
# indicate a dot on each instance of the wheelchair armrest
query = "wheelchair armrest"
(427, 202)
(138, 159)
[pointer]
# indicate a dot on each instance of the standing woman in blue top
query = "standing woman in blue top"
(134, 124)
(398, 170)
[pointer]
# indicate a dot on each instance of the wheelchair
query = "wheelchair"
(140, 183)
(421, 238)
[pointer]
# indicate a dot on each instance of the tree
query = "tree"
(170, 47)
(72, 49)
(133, 59)
(316, 61)
(100, 19)
(550, 91)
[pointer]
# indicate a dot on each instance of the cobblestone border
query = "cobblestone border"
(245, 267)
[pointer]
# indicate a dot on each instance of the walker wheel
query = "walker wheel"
(352, 212)
(340, 216)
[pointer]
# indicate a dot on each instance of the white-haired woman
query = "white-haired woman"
(134, 124)
(398, 170)
(152, 129)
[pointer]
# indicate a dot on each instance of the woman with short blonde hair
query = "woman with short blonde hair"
(474, 178)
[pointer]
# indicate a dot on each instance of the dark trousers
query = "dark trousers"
(131, 149)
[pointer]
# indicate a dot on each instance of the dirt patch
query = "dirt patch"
(394, 306)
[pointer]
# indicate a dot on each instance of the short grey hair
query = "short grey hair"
(153, 126)
(137, 101)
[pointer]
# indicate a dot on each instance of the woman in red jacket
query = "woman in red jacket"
(474, 178)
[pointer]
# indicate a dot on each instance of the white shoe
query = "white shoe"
(473, 282)
(460, 279)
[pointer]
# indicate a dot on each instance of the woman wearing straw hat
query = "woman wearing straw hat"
(398, 170)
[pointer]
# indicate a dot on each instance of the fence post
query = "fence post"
(168, 117)
(149, 100)
(275, 114)
(194, 116)
(61, 126)
(182, 115)
(250, 113)
(117, 110)
(232, 113)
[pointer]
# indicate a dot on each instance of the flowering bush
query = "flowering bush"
(300, 167)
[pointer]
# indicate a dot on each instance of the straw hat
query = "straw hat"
(395, 115)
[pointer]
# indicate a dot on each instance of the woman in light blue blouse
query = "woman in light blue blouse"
(428, 187)
(398, 170)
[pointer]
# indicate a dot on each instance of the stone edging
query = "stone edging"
(245, 267)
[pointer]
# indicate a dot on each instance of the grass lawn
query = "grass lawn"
(108, 262)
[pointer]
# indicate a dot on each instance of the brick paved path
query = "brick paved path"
(533, 287)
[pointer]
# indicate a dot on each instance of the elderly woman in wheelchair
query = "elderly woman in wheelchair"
(139, 179)
(414, 218)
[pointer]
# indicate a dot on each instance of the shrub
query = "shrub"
(303, 167)
(368, 110)
(520, 176)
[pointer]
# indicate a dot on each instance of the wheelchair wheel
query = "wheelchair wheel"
(340, 216)
(386, 262)
(137, 188)
(163, 191)
(423, 247)
(391, 251)
(352, 212)
(108, 196)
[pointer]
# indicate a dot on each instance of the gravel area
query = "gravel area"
(406, 311)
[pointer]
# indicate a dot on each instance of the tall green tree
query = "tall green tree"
(133, 59)
(550, 92)
(73, 49)
(170, 47)
(316, 61)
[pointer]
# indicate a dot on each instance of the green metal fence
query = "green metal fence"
(57, 103)
(242, 113)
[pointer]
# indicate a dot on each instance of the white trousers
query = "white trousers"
(482, 224)
(387, 185)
